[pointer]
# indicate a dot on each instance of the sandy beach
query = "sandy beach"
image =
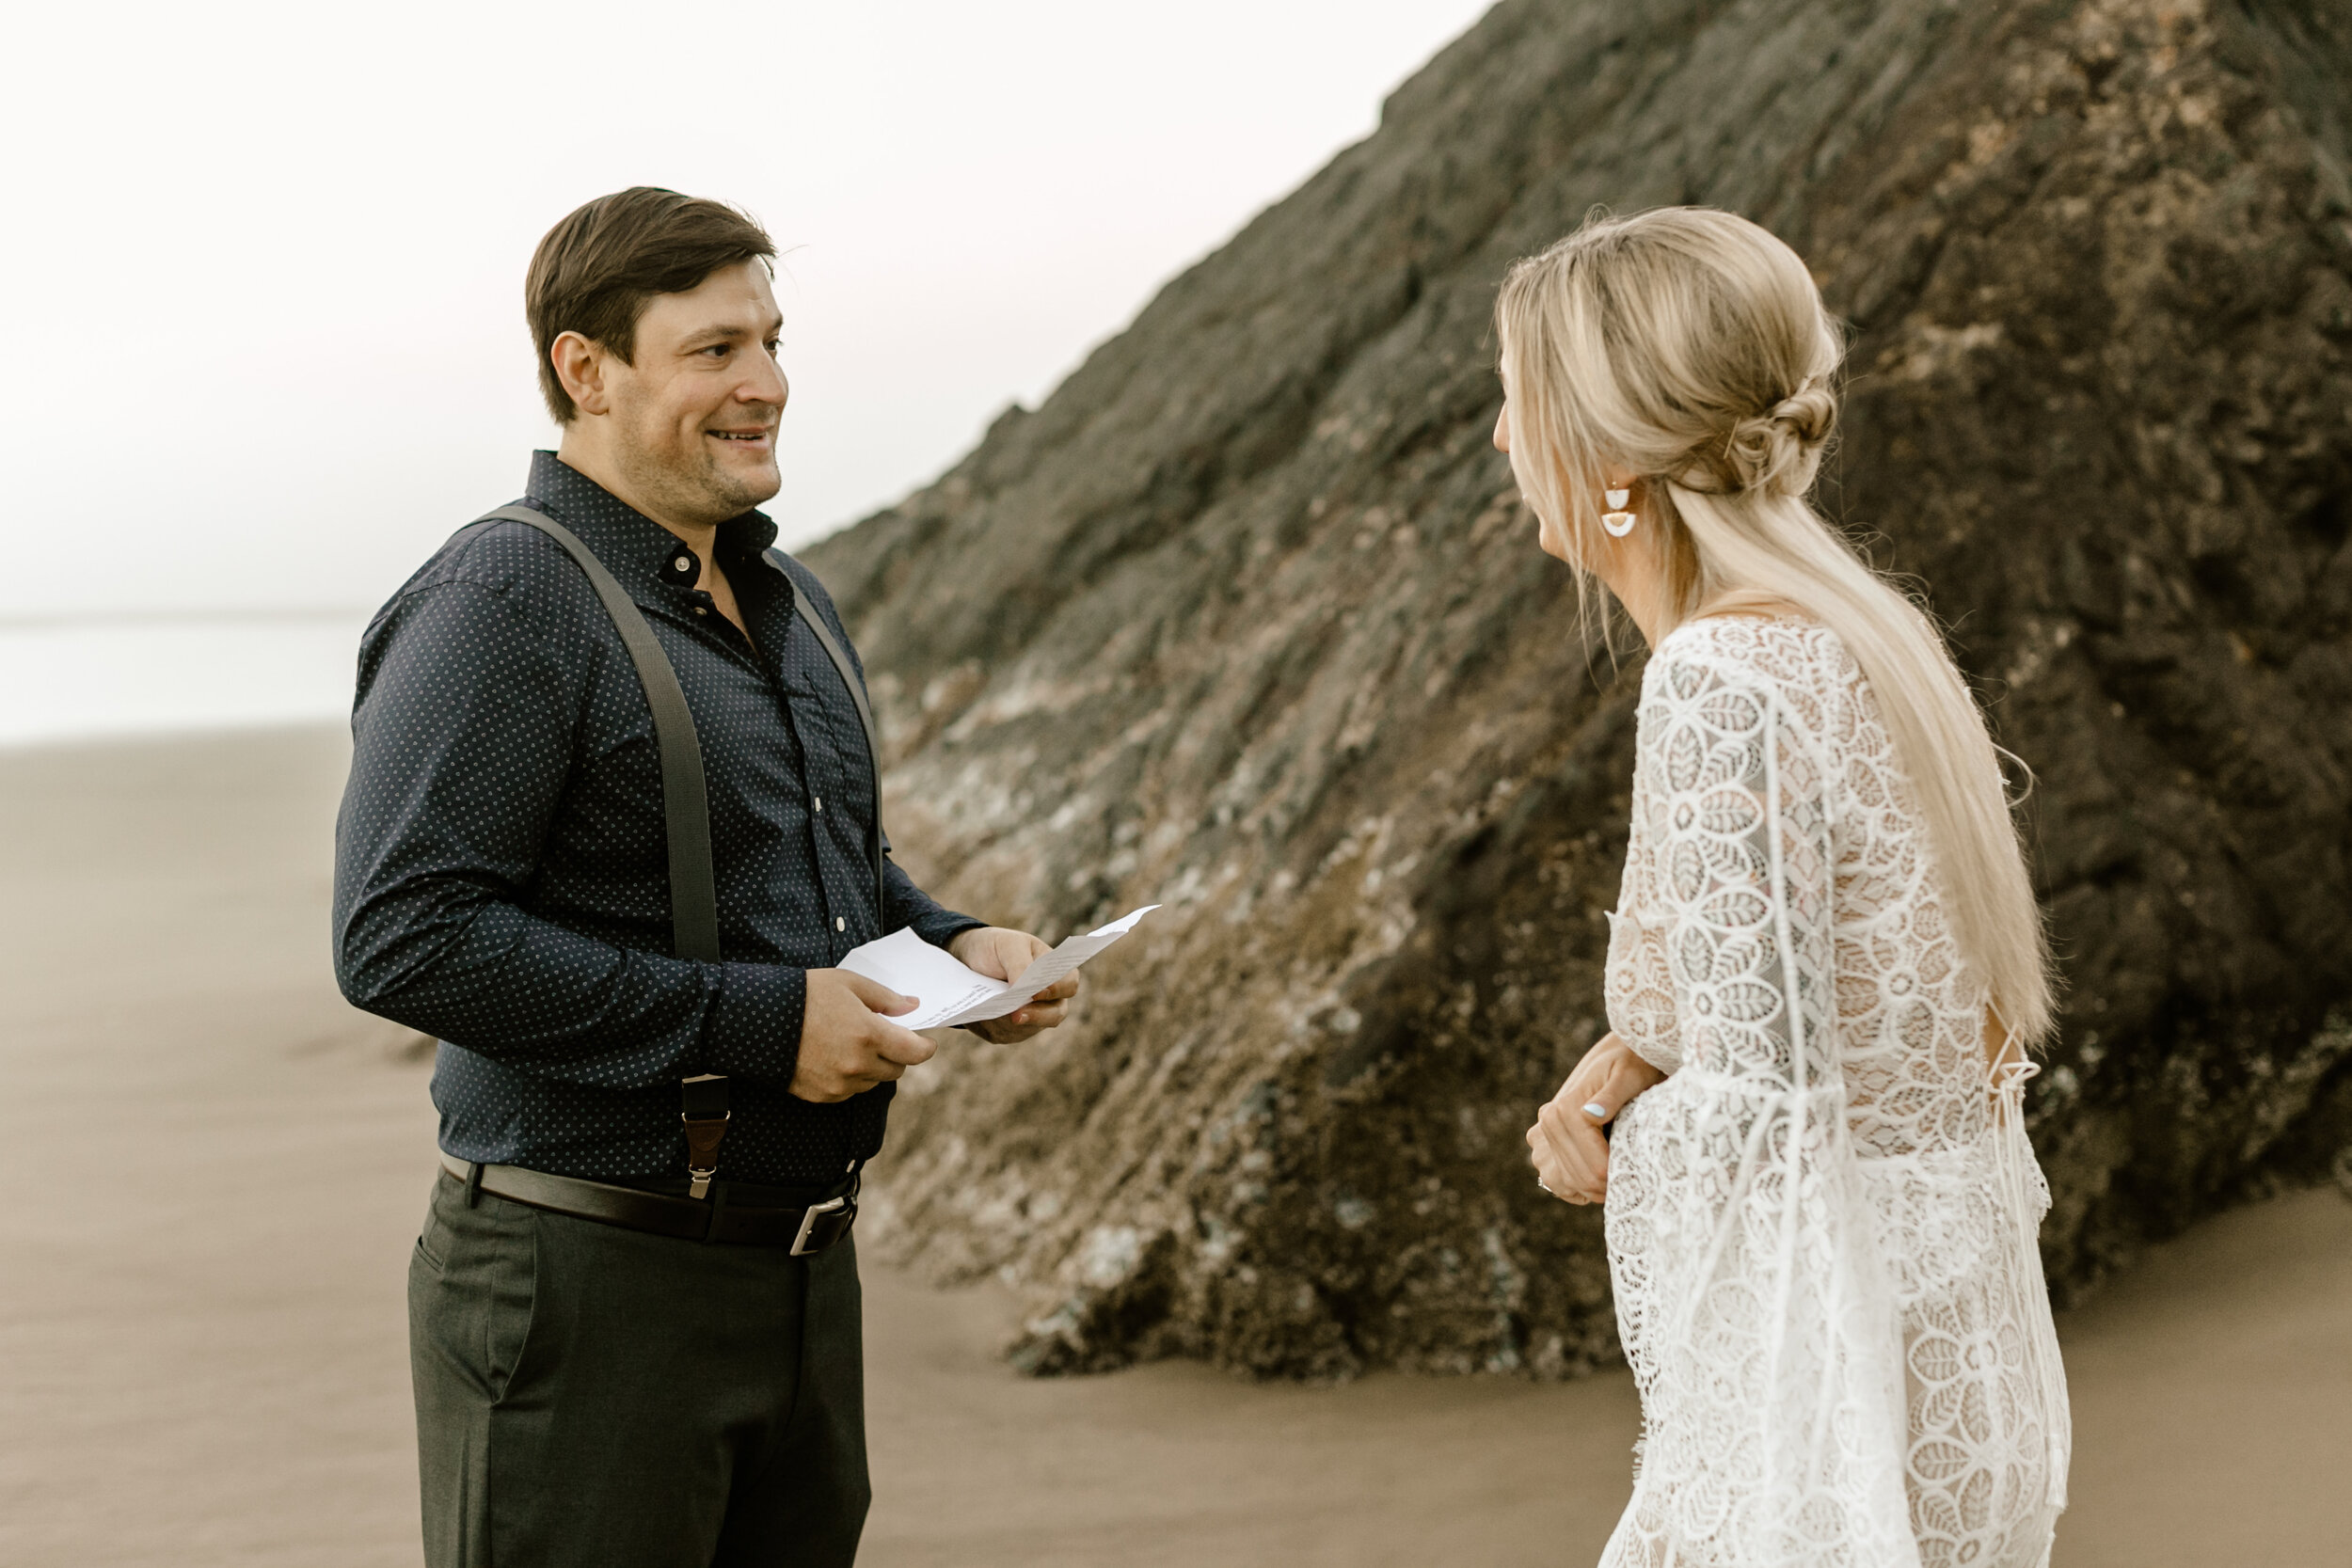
(215, 1168)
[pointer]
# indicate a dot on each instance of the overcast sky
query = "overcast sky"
(268, 259)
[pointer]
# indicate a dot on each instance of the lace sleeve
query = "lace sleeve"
(1767, 1340)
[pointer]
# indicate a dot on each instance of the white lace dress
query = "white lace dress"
(1821, 1225)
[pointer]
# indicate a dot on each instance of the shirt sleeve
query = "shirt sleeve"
(463, 738)
(904, 905)
(1762, 1325)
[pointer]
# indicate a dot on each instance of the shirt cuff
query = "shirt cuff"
(942, 926)
(753, 1029)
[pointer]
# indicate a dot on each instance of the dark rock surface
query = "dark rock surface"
(1246, 619)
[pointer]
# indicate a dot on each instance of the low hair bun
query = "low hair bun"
(1776, 452)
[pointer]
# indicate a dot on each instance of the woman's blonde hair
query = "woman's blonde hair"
(1690, 347)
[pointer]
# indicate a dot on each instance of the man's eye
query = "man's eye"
(717, 351)
(775, 346)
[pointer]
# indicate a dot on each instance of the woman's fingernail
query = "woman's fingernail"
(1595, 1110)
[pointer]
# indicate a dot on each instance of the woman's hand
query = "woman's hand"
(1570, 1156)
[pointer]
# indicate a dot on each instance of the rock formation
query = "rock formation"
(1248, 620)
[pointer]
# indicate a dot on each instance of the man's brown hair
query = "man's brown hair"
(595, 270)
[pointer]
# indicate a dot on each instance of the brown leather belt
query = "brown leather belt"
(712, 1219)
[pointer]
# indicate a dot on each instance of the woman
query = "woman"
(1826, 956)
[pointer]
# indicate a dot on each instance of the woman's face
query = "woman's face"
(1548, 538)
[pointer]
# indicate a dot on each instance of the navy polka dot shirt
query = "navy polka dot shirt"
(501, 876)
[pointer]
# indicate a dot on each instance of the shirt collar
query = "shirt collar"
(623, 538)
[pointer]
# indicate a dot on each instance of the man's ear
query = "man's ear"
(579, 365)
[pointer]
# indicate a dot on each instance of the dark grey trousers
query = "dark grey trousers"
(588, 1395)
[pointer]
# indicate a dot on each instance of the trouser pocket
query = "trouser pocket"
(471, 1290)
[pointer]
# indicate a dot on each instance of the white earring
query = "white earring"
(1617, 520)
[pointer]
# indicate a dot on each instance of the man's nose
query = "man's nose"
(766, 384)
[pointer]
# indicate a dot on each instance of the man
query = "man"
(618, 1362)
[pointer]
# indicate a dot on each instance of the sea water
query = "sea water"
(68, 679)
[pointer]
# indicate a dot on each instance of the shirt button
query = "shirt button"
(820, 802)
(839, 924)
(700, 610)
(684, 563)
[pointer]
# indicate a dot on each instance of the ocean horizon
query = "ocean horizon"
(96, 676)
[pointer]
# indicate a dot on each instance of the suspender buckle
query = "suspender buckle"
(702, 1109)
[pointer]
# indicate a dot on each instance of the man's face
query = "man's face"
(694, 417)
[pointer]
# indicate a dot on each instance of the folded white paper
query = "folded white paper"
(951, 994)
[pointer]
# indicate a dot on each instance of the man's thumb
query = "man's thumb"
(878, 997)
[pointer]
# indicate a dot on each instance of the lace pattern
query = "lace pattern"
(1821, 1226)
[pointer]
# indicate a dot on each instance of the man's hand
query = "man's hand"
(1000, 955)
(848, 1042)
(1570, 1156)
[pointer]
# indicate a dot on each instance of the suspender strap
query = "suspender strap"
(686, 813)
(685, 806)
(832, 644)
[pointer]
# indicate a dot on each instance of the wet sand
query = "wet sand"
(214, 1170)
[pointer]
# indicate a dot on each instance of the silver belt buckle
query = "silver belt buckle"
(808, 1223)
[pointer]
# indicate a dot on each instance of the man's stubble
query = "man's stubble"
(693, 486)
